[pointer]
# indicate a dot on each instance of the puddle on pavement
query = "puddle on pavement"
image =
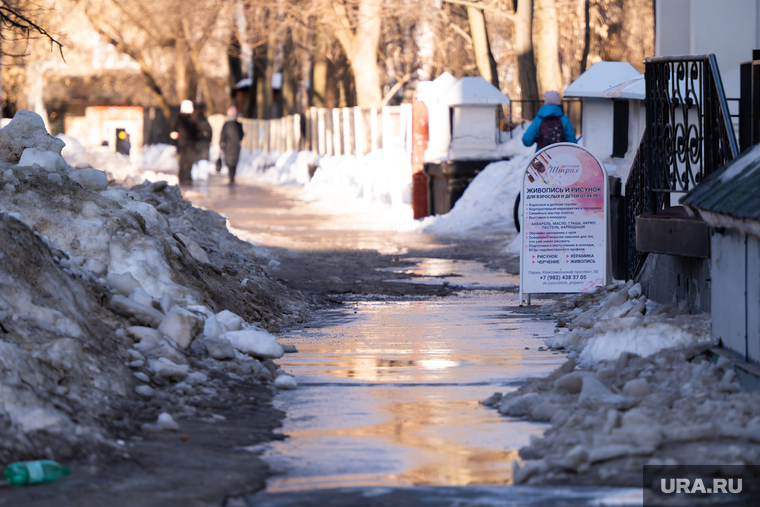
(462, 273)
(389, 392)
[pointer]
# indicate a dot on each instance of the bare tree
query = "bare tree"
(165, 37)
(356, 25)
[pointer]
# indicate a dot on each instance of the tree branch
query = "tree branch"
(482, 8)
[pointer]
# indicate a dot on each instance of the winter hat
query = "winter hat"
(552, 98)
(186, 107)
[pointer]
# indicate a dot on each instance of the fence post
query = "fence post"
(336, 131)
(387, 141)
(321, 132)
(329, 144)
(297, 132)
(358, 131)
(374, 130)
(347, 129)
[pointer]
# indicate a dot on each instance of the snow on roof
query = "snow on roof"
(431, 91)
(601, 77)
(632, 89)
(473, 91)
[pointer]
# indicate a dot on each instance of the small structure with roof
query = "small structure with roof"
(613, 111)
(473, 102)
(729, 201)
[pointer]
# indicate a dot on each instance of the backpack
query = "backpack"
(550, 131)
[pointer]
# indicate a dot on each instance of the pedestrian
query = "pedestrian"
(232, 135)
(185, 132)
(550, 124)
(203, 144)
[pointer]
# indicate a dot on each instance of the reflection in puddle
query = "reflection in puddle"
(389, 395)
(469, 274)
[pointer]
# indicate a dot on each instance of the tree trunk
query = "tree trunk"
(480, 45)
(319, 85)
(359, 45)
(547, 44)
(586, 35)
(526, 66)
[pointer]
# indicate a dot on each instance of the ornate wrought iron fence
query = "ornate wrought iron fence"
(689, 135)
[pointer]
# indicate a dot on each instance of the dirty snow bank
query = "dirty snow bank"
(487, 204)
(121, 310)
(647, 392)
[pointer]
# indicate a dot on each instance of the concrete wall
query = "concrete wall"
(736, 292)
(473, 131)
(597, 127)
(728, 28)
(672, 279)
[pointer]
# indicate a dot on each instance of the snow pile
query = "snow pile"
(608, 421)
(274, 168)
(487, 204)
(605, 323)
(647, 393)
(111, 297)
(149, 166)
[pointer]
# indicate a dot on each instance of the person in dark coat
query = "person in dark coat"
(203, 143)
(185, 132)
(232, 135)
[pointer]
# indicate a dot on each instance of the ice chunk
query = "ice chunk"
(51, 161)
(144, 390)
(219, 348)
(638, 387)
(26, 130)
(123, 283)
(167, 422)
(181, 326)
(94, 179)
(212, 328)
(55, 178)
(572, 382)
(141, 376)
(143, 314)
(140, 296)
(285, 382)
(229, 320)
(196, 251)
(139, 333)
(167, 301)
(196, 378)
(96, 267)
(167, 369)
(255, 342)
(634, 291)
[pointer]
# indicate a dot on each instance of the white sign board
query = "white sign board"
(564, 234)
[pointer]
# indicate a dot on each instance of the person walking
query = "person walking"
(185, 131)
(232, 135)
(550, 124)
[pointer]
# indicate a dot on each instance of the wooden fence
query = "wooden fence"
(338, 131)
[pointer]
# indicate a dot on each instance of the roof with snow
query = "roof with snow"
(473, 91)
(431, 91)
(734, 190)
(603, 77)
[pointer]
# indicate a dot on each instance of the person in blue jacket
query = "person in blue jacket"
(552, 108)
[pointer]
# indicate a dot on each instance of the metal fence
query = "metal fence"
(689, 135)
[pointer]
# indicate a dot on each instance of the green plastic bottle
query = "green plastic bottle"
(33, 472)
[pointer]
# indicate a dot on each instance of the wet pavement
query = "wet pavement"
(387, 411)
